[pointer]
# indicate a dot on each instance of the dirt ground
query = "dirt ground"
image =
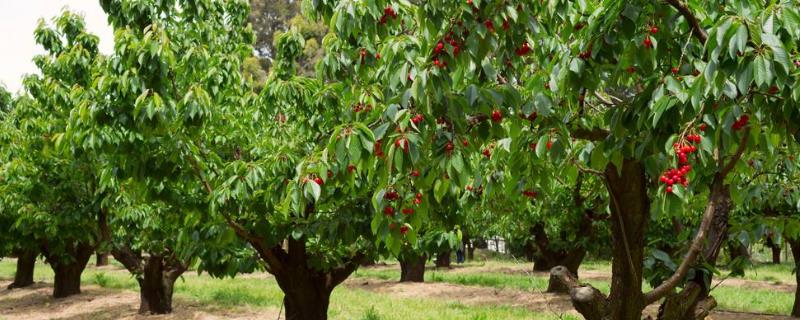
(534, 301)
(96, 303)
(100, 303)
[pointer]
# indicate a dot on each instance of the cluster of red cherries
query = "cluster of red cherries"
(741, 122)
(678, 175)
(530, 194)
(648, 43)
(361, 107)
(417, 119)
(388, 12)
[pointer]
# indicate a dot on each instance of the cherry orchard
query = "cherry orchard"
(636, 80)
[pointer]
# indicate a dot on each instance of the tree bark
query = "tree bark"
(588, 301)
(413, 270)
(794, 244)
(102, 259)
(443, 259)
(156, 284)
(156, 275)
(545, 258)
(26, 261)
(694, 302)
(561, 280)
(630, 212)
(775, 248)
(105, 239)
(68, 269)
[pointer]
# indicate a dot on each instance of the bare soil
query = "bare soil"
(534, 301)
(36, 303)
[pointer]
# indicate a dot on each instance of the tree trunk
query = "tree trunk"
(26, 261)
(443, 259)
(102, 259)
(68, 269)
(413, 271)
(630, 212)
(156, 284)
(470, 252)
(776, 249)
(794, 244)
(105, 238)
(693, 302)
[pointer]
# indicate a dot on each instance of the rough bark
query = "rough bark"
(588, 301)
(794, 244)
(547, 258)
(156, 275)
(561, 280)
(68, 268)
(413, 270)
(306, 290)
(156, 284)
(443, 259)
(26, 261)
(630, 212)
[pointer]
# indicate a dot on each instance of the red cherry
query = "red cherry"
(378, 56)
(497, 116)
(669, 189)
(415, 173)
(703, 127)
(647, 42)
(487, 153)
(388, 211)
(675, 70)
(351, 168)
(489, 25)
(319, 181)
(404, 229)
(408, 211)
(549, 145)
(532, 145)
(653, 29)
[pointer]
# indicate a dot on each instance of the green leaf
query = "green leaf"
(762, 71)
(778, 51)
(738, 41)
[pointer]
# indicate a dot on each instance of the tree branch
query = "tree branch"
(697, 30)
(736, 156)
(594, 134)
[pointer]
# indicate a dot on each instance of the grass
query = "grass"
(263, 292)
(729, 298)
(354, 303)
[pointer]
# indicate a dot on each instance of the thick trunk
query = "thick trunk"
(26, 261)
(102, 259)
(413, 270)
(630, 212)
(443, 259)
(68, 270)
(794, 244)
(156, 285)
(306, 290)
(693, 302)
(471, 253)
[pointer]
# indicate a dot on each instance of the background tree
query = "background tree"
(51, 192)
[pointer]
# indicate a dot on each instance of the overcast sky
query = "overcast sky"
(18, 19)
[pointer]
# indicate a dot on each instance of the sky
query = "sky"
(18, 19)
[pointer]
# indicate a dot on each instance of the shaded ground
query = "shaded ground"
(35, 303)
(534, 301)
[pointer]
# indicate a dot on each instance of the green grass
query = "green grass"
(729, 298)
(260, 292)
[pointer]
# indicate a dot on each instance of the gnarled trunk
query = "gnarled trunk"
(68, 269)
(156, 275)
(105, 238)
(630, 212)
(443, 259)
(413, 270)
(693, 302)
(546, 258)
(26, 261)
(156, 284)
(794, 244)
